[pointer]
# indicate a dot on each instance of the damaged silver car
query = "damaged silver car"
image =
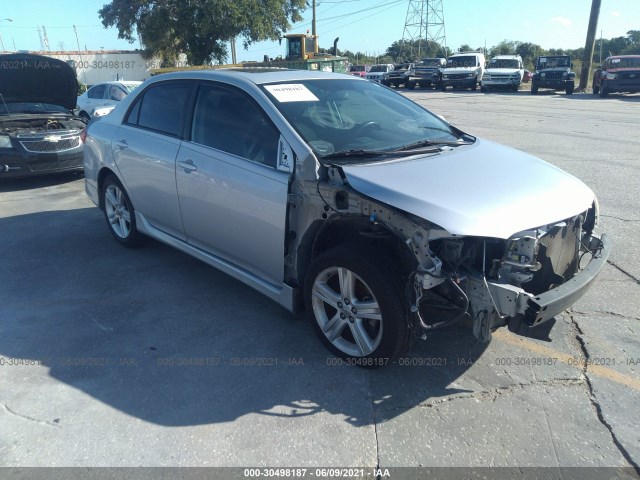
(39, 133)
(343, 197)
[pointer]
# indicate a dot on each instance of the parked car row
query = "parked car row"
(620, 73)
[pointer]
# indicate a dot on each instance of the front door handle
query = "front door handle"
(122, 144)
(187, 165)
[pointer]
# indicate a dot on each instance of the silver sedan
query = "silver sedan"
(340, 196)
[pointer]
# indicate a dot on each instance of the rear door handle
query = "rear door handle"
(187, 165)
(122, 144)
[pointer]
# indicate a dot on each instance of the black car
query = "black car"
(400, 75)
(553, 72)
(38, 131)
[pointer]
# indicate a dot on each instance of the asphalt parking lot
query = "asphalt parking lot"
(117, 357)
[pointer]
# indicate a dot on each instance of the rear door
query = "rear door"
(232, 198)
(145, 149)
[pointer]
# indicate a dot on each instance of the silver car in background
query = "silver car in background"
(341, 196)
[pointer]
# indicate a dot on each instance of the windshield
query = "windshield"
(633, 62)
(404, 66)
(378, 68)
(503, 63)
(430, 62)
(461, 62)
(357, 68)
(552, 62)
(9, 108)
(130, 86)
(343, 115)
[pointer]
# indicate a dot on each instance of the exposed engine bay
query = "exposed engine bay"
(29, 126)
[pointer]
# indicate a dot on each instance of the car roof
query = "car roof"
(256, 76)
(623, 56)
(119, 82)
(510, 57)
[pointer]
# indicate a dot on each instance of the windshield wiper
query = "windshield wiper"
(431, 143)
(355, 154)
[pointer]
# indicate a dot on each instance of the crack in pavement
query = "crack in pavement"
(606, 312)
(375, 427)
(6, 408)
(624, 271)
(495, 393)
(594, 401)
(620, 218)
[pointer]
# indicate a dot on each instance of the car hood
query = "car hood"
(502, 70)
(484, 189)
(37, 79)
(554, 69)
(460, 70)
(625, 69)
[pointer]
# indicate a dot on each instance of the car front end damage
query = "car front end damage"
(529, 278)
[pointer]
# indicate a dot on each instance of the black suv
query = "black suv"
(554, 72)
(427, 73)
(400, 75)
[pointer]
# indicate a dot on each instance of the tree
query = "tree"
(529, 52)
(199, 28)
(505, 47)
(633, 43)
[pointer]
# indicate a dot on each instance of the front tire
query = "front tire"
(596, 89)
(603, 90)
(356, 301)
(534, 89)
(119, 213)
(569, 88)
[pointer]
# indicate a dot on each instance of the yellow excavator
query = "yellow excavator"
(301, 54)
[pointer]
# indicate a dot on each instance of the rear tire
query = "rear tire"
(534, 89)
(119, 213)
(355, 298)
(596, 89)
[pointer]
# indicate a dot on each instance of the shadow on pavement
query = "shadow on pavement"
(39, 181)
(167, 339)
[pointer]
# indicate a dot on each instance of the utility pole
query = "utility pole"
(313, 27)
(589, 45)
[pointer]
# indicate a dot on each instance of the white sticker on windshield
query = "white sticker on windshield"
(291, 92)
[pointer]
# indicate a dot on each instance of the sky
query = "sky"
(368, 26)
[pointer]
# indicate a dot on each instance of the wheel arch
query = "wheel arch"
(322, 236)
(102, 174)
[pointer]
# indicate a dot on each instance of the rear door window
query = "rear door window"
(161, 108)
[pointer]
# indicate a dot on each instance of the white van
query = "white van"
(503, 71)
(463, 70)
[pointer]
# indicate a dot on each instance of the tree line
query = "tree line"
(201, 29)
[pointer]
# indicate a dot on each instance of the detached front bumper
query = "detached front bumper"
(545, 306)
